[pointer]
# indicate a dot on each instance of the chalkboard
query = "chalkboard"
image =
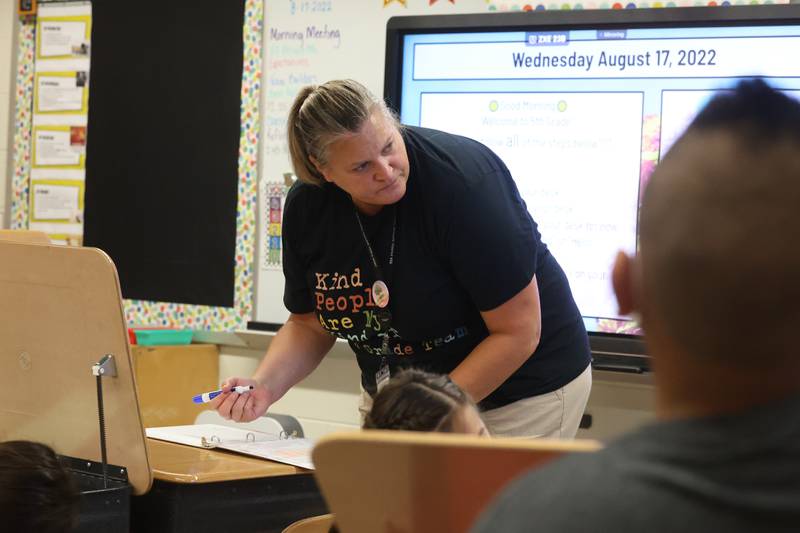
(309, 42)
(162, 163)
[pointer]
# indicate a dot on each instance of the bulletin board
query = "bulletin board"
(162, 159)
(60, 111)
(152, 312)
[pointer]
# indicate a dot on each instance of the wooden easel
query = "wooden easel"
(60, 313)
(21, 235)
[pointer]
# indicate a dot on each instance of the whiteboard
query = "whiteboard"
(310, 42)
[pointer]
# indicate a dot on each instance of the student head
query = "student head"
(338, 132)
(37, 492)
(717, 279)
(415, 400)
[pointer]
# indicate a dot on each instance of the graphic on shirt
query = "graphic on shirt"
(346, 308)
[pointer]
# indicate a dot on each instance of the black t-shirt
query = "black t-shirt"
(464, 243)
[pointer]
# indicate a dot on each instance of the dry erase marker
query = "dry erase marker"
(208, 396)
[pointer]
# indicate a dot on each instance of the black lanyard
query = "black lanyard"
(378, 271)
(383, 312)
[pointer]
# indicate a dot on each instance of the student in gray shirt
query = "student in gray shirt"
(717, 286)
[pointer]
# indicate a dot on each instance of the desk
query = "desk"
(197, 490)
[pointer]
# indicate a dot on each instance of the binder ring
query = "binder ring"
(210, 442)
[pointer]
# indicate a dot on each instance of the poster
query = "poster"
(60, 119)
(55, 201)
(61, 92)
(58, 146)
(274, 195)
(63, 36)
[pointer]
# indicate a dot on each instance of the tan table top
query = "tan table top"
(178, 463)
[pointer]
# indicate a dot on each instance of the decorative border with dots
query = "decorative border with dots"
(23, 109)
(500, 5)
(162, 313)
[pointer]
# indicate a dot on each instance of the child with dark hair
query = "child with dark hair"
(415, 400)
(717, 227)
(37, 492)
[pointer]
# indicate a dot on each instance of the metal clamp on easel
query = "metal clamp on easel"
(106, 367)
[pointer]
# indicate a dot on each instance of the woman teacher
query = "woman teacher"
(414, 246)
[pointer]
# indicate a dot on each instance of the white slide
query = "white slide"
(575, 158)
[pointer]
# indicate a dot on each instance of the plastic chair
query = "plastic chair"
(315, 524)
(378, 481)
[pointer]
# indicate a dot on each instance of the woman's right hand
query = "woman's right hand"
(244, 407)
(294, 353)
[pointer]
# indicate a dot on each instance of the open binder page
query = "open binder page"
(278, 448)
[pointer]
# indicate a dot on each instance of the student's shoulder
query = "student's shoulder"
(564, 496)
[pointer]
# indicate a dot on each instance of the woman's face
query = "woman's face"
(370, 165)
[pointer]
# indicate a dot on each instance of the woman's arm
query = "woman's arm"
(293, 354)
(514, 330)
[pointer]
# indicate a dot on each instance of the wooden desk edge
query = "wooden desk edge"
(177, 463)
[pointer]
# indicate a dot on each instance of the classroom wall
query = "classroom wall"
(8, 18)
(327, 400)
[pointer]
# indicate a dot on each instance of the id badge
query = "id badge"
(382, 376)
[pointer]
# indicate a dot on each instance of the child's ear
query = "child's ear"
(623, 279)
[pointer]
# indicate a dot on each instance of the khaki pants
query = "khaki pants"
(554, 415)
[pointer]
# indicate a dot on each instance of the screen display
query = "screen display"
(581, 117)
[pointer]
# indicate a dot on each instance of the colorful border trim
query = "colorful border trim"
(23, 118)
(500, 5)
